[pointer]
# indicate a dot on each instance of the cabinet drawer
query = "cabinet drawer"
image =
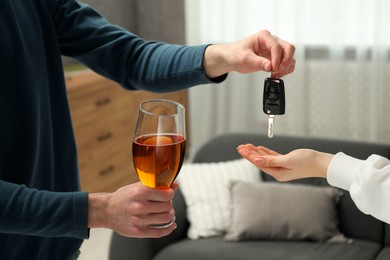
(88, 106)
(109, 173)
(98, 138)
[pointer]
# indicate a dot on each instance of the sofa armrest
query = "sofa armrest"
(122, 248)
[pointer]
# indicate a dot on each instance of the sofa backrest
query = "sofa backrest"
(351, 220)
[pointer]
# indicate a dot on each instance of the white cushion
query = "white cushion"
(205, 187)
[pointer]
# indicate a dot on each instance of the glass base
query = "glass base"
(164, 225)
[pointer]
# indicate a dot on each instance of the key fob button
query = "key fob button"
(273, 97)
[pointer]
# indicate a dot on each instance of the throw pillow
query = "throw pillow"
(275, 211)
(205, 187)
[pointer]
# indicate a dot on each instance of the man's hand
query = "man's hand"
(132, 209)
(259, 52)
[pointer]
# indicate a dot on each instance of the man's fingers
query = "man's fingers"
(288, 51)
(270, 43)
(160, 195)
(161, 218)
(282, 53)
(175, 186)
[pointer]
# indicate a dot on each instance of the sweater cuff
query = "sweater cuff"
(219, 79)
(80, 215)
(342, 169)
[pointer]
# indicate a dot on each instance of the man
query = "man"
(43, 215)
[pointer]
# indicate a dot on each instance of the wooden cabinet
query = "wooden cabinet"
(104, 116)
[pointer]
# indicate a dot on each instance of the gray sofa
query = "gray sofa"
(371, 237)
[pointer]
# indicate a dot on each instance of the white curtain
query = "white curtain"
(340, 87)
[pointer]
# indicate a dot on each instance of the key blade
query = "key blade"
(270, 126)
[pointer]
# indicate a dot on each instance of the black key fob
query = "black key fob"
(274, 102)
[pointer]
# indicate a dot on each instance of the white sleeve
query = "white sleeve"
(368, 182)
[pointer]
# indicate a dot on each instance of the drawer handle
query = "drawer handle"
(103, 101)
(107, 170)
(104, 137)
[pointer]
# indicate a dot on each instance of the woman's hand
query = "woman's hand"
(298, 164)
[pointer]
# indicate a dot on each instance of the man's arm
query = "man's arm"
(29, 211)
(160, 67)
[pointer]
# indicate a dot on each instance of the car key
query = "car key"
(274, 102)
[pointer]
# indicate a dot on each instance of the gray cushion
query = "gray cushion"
(216, 249)
(270, 211)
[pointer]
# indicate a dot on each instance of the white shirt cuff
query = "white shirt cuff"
(342, 169)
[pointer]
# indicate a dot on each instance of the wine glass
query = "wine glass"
(159, 144)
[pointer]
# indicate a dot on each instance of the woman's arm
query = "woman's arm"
(368, 181)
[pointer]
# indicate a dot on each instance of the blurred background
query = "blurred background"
(340, 88)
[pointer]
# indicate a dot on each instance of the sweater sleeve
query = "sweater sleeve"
(368, 182)
(124, 57)
(25, 211)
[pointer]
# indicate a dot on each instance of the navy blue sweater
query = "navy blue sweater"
(43, 213)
